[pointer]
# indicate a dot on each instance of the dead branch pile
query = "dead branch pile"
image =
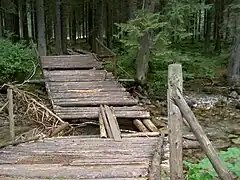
(31, 111)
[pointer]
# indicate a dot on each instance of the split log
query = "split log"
(175, 123)
(105, 121)
(148, 123)
(155, 168)
(11, 115)
(140, 134)
(113, 124)
(141, 127)
(103, 133)
(205, 143)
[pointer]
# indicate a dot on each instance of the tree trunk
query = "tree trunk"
(41, 28)
(74, 29)
(64, 27)
(1, 21)
(234, 63)
(109, 33)
(142, 59)
(132, 8)
(207, 28)
(218, 24)
(58, 32)
(29, 19)
(20, 15)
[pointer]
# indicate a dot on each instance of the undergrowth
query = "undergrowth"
(164, 50)
(17, 61)
(204, 170)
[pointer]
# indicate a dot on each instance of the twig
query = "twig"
(5, 105)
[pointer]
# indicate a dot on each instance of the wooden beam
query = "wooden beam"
(205, 143)
(113, 124)
(11, 115)
(141, 127)
(175, 123)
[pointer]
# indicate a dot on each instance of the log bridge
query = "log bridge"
(80, 89)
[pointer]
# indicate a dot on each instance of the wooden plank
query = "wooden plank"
(84, 89)
(125, 114)
(92, 109)
(97, 102)
(90, 98)
(105, 121)
(103, 133)
(66, 62)
(113, 124)
(84, 84)
(90, 72)
(78, 172)
(25, 178)
(88, 94)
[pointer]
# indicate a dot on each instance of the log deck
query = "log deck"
(78, 157)
(79, 89)
(77, 85)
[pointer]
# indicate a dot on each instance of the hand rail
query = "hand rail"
(114, 56)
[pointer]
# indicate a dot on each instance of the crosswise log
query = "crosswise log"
(79, 158)
(77, 76)
(70, 62)
(77, 88)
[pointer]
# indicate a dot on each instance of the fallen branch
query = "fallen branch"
(4, 106)
(19, 142)
(205, 143)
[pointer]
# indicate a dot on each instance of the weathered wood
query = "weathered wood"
(92, 109)
(59, 129)
(83, 73)
(103, 133)
(141, 127)
(126, 114)
(95, 102)
(155, 168)
(68, 62)
(205, 143)
(148, 123)
(5, 105)
(175, 123)
(85, 89)
(78, 172)
(84, 84)
(105, 121)
(113, 124)
(141, 134)
(89, 94)
(10, 112)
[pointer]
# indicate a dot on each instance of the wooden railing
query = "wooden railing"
(104, 52)
(178, 110)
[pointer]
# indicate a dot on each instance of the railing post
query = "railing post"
(175, 122)
(10, 111)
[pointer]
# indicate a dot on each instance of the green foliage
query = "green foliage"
(170, 43)
(204, 170)
(16, 61)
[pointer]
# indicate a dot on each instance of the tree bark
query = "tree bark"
(29, 19)
(20, 15)
(64, 27)
(234, 63)
(41, 28)
(58, 32)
